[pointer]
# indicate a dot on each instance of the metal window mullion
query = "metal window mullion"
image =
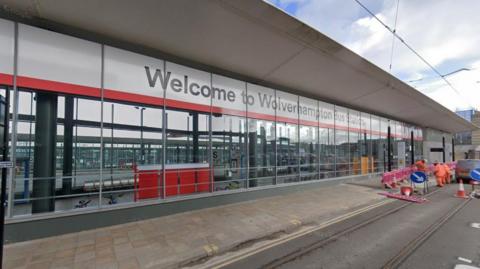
(298, 138)
(247, 139)
(348, 143)
(275, 139)
(319, 115)
(164, 135)
(14, 123)
(210, 157)
(102, 86)
(335, 141)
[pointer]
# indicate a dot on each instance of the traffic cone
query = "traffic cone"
(461, 190)
(406, 190)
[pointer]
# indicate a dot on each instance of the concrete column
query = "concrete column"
(44, 154)
(68, 146)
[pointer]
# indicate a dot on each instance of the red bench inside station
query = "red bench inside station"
(179, 179)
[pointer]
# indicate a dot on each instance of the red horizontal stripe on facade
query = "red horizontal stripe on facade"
(6, 79)
(234, 112)
(286, 120)
(132, 97)
(55, 86)
(187, 105)
(326, 125)
(309, 123)
(260, 116)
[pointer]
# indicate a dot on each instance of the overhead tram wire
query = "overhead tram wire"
(393, 37)
(394, 33)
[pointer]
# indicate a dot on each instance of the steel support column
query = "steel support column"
(443, 149)
(412, 151)
(195, 136)
(44, 153)
(389, 150)
(68, 146)
(453, 149)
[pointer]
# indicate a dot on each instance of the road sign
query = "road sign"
(6, 164)
(418, 177)
(475, 174)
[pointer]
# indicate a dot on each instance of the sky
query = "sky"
(444, 32)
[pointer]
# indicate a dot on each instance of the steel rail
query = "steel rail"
(408, 249)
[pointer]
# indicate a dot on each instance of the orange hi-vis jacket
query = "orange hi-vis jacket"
(447, 169)
(421, 166)
(440, 171)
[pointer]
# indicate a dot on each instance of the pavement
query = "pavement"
(193, 237)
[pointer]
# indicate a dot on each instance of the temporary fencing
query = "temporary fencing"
(399, 175)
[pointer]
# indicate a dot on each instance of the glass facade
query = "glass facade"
(105, 126)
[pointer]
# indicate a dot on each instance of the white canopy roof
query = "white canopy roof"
(251, 40)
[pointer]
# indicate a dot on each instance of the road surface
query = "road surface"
(398, 235)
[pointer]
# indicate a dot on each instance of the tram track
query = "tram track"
(393, 262)
(408, 249)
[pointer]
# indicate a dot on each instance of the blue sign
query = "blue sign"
(475, 174)
(418, 177)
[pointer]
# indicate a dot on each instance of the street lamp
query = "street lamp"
(142, 149)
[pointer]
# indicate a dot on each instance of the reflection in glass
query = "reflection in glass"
(261, 150)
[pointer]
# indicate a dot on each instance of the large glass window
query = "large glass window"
(377, 145)
(262, 149)
(68, 149)
(188, 154)
(309, 143)
(287, 137)
(327, 152)
(229, 134)
(384, 124)
(326, 134)
(342, 147)
(262, 152)
(366, 160)
(355, 141)
(132, 140)
(287, 152)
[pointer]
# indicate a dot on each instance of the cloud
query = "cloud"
(444, 32)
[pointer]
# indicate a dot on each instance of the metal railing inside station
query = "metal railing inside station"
(91, 189)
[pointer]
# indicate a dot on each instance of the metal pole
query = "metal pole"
(210, 142)
(14, 123)
(142, 146)
(443, 149)
(102, 85)
(389, 150)
(4, 173)
(44, 157)
(111, 148)
(412, 145)
(453, 149)
(246, 137)
(67, 145)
